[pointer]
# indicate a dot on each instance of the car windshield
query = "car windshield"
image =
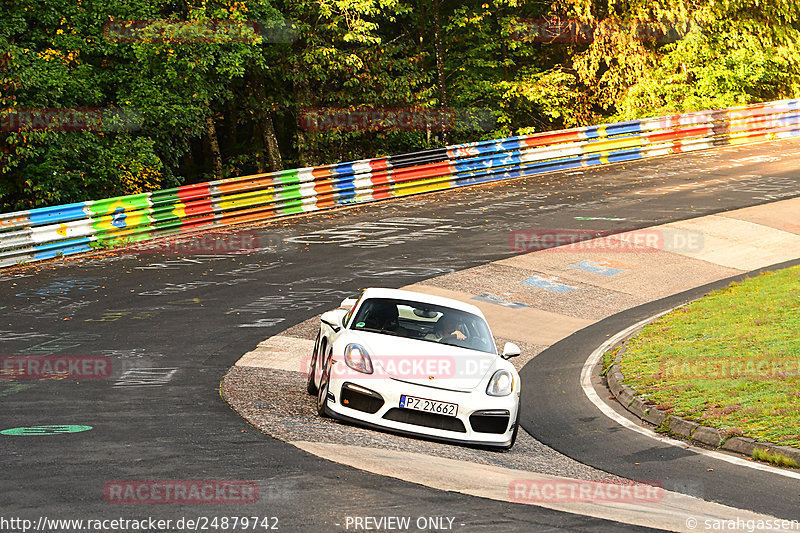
(422, 321)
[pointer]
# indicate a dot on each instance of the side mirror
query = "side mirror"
(348, 303)
(333, 319)
(510, 350)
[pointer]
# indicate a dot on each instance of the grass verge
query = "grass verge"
(730, 360)
(774, 458)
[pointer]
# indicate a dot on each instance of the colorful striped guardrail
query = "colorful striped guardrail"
(73, 228)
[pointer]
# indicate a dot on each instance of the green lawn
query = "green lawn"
(730, 360)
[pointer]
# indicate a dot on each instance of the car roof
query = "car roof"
(399, 294)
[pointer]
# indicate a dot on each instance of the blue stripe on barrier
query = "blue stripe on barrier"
(343, 186)
(72, 246)
(528, 169)
(475, 178)
(624, 128)
(470, 169)
(564, 164)
(591, 132)
(507, 144)
(626, 155)
(477, 163)
(489, 146)
(614, 156)
(474, 164)
(343, 169)
(613, 130)
(482, 149)
(344, 190)
(500, 159)
(591, 161)
(59, 213)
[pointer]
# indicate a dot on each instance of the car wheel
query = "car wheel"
(311, 386)
(324, 382)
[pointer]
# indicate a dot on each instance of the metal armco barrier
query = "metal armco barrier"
(73, 228)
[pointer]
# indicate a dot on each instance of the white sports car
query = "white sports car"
(416, 364)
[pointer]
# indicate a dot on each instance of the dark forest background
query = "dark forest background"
(180, 106)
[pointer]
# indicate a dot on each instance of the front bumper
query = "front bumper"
(481, 419)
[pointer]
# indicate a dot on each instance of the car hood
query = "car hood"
(425, 363)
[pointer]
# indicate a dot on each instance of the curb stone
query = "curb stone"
(638, 407)
(706, 435)
(656, 416)
(682, 427)
(743, 445)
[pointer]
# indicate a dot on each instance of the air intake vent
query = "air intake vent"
(428, 420)
(495, 421)
(361, 399)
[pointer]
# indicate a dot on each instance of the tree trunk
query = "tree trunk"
(265, 125)
(440, 78)
(303, 100)
(231, 129)
(271, 142)
(213, 157)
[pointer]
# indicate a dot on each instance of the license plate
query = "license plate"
(428, 406)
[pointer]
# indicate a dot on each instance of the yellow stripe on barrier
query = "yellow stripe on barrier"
(246, 199)
(423, 185)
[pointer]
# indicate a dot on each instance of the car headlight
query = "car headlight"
(501, 384)
(357, 358)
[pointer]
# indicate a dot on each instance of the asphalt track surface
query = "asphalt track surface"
(172, 325)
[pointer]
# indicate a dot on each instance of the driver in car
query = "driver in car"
(451, 326)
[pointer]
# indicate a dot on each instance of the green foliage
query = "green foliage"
(191, 95)
(776, 459)
(711, 54)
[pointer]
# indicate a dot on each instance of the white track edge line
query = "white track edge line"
(588, 389)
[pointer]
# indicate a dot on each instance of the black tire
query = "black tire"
(324, 382)
(311, 387)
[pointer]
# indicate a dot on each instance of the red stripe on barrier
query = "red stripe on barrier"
(430, 170)
(679, 134)
(323, 187)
